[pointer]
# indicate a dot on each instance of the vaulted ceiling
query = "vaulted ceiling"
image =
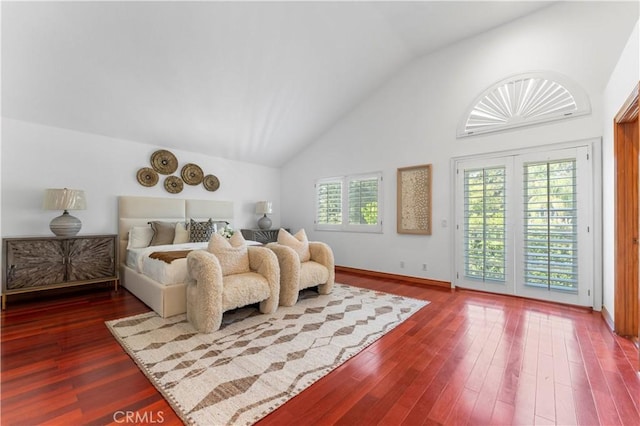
(249, 81)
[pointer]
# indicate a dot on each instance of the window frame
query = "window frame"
(345, 226)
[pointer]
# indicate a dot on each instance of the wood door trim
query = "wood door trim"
(629, 110)
(626, 150)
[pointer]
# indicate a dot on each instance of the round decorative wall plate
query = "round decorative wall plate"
(164, 162)
(211, 183)
(191, 174)
(147, 176)
(173, 184)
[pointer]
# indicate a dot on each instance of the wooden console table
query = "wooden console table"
(263, 236)
(42, 263)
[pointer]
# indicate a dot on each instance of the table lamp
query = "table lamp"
(65, 199)
(264, 208)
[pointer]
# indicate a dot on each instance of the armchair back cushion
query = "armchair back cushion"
(317, 268)
(210, 294)
(232, 254)
(298, 242)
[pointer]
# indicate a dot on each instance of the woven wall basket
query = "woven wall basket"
(173, 184)
(191, 174)
(147, 176)
(164, 162)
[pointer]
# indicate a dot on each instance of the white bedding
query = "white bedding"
(164, 273)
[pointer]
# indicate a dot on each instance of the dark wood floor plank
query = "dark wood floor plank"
(565, 406)
(525, 400)
(502, 414)
(545, 394)
(463, 408)
(583, 398)
(466, 358)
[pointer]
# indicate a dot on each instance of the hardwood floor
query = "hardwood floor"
(466, 358)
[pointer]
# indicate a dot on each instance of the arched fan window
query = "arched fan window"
(523, 100)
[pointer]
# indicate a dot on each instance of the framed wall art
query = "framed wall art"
(414, 200)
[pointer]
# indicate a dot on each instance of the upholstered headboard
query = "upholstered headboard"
(138, 211)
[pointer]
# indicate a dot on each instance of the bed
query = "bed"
(164, 295)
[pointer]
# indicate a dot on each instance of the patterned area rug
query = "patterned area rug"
(256, 362)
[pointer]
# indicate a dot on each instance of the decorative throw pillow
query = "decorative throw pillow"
(232, 253)
(139, 237)
(200, 232)
(297, 242)
(182, 233)
(163, 233)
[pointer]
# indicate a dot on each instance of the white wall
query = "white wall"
(36, 157)
(413, 118)
(623, 80)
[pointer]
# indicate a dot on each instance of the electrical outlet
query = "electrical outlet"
(424, 266)
(402, 263)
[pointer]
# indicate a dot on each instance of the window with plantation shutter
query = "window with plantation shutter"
(329, 203)
(349, 203)
(363, 201)
(524, 99)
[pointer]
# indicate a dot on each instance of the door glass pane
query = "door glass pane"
(485, 224)
(550, 225)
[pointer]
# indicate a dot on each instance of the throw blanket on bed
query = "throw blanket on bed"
(169, 256)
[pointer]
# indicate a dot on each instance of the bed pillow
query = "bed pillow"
(163, 233)
(139, 237)
(298, 242)
(232, 253)
(182, 233)
(200, 232)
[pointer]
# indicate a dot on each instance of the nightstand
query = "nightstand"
(263, 236)
(42, 263)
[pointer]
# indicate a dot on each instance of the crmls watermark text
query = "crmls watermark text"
(138, 417)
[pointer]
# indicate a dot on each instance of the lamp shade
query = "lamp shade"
(263, 207)
(64, 199)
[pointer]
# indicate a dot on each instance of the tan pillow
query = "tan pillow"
(232, 253)
(163, 233)
(297, 242)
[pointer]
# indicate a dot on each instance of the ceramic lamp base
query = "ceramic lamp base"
(264, 222)
(65, 225)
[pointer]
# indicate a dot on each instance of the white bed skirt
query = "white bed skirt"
(165, 300)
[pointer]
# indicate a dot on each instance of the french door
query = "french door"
(524, 225)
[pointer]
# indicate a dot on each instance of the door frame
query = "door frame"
(627, 216)
(595, 146)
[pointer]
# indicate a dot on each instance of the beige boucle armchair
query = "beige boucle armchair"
(299, 272)
(209, 293)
